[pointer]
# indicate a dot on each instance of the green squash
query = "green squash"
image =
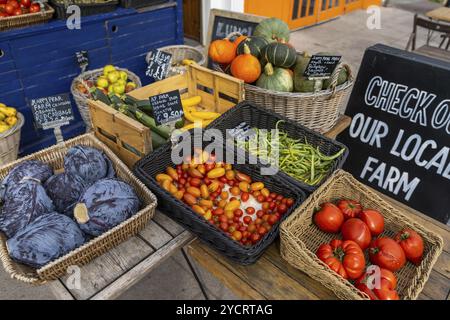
(301, 63)
(301, 83)
(255, 44)
(342, 78)
(273, 29)
(279, 54)
(276, 79)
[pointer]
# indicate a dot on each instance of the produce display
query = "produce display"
(299, 159)
(46, 216)
(280, 68)
(361, 229)
(230, 200)
(10, 8)
(8, 116)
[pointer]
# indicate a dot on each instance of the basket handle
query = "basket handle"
(233, 34)
(335, 77)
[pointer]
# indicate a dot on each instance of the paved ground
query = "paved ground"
(416, 6)
(173, 279)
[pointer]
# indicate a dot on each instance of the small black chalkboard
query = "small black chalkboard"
(167, 107)
(82, 59)
(321, 66)
(53, 111)
(159, 64)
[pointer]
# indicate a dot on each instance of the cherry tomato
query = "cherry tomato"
(272, 219)
(282, 208)
(245, 196)
(231, 229)
(250, 210)
(289, 202)
(261, 198)
(259, 213)
(272, 205)
(238, 213)
(236, 235)
(265, 206)
(251, 228)
(262, 230)
(223, 218)
(258, 221)
(224, 195)
(235, 191)
(247, 219)
(229, 215)
(236, 219)
(224, 226)
(273, 195)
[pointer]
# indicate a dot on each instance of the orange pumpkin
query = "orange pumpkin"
(246, 67)
(222, 51)
(239, 40)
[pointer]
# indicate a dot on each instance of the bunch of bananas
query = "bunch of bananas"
(196, 116)
(8, 117)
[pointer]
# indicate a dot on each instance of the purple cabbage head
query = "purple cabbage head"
(31, 168)
(25, 202)
(89, 163)
(65, 189)
(105, 204)
(47, 238)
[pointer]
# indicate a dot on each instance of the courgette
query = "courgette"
(143, 105)
(163, 131)
(115, 99)
(180, 123)
(157, 140)
(99, 95)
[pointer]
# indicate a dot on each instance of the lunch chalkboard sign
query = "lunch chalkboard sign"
(159, 64)
(53, 111)
(167, 107)
(399, 138)
(321, 66)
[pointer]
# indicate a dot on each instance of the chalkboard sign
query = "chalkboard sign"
(321, 66)
(167, 107)
(159, 64)
(399, 138)
(53, 111)
(82, 59)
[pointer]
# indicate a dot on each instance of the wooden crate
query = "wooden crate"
(131, 140)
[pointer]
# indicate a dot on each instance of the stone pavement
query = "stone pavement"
(173, 279)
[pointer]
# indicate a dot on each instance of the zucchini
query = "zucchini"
(99, 95)
(157, 140)
(180, 123)
(163, 131)
(115, 99)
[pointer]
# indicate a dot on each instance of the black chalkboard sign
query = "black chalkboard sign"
(167, 107)
(321, 66)
(159, 64)
(82, 58)
(53, 111)
(399, 138)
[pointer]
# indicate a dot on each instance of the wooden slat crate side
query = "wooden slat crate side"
(173, 83)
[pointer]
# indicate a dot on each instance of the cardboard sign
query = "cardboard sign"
(167, 107)
(159, 64)
(82, 59)
(321, 66)
(399, 138)
(53, 111)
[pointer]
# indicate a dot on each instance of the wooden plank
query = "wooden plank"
(168, 224)
(443, 265)
(437, 286)
(60, 291)
(442, 13)
(265, 278)
(221, 272)
(172, 83)
(155, 235)
(132, 276)
(102, 271)
(342, 124)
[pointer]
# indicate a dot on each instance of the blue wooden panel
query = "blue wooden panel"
(5, 52)
(10, 86)
(8, 76)
(14, 98)
(7, 65)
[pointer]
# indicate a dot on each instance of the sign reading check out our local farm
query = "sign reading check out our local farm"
(53, 111)
(399, 138)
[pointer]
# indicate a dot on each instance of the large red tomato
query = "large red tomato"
(2, 7)
(9, 9)
(343, 257)
(387, 253)
(25, 3)
(35, 7)
(356, 230)
(412, 244)
(14, 3)
(350, 208)
(374, 221)
(329, 218)
(386, 285)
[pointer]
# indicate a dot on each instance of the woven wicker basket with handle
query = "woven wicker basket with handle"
(300, 238)
(28, 19)
(82, 99)
(54, 156)
(10, 141)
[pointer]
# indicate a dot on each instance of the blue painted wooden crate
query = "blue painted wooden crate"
(40, 61)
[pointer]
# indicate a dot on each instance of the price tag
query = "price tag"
(321, 66)
(82, 59)
(53, 111)
(159, 64)
(242, 132)
(167, 107)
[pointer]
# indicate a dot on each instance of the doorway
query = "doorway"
(192, 19)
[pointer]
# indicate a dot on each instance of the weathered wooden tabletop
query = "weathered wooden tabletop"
(442, 14)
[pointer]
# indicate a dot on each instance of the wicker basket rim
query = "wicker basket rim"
(180, 46)
(17, 126)
(48, 10)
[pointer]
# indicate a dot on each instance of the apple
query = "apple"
(119, 88)
(123, 75)
(113, 76)
(108, 68)
(130, 86)
(102, 82)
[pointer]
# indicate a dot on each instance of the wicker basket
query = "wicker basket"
(300, 238)
(82, 99)
(10, 141)
(28, 19)
(264, 119)
(54, 156)
(317, 111)
(156, 162)
(179, 53)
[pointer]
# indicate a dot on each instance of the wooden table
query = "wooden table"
(442, 14)
(113, 273)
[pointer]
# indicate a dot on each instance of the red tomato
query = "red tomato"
(272, 219)
(374, 221)
(350, 208)
(343, 257)
(3, 14)
(14, 3)
(255, 237)
(17, 12)
(356, 230)
(386, 294)
(9, 9)
(3, 1)
(35, 7)
(282, 208)
(387, 253)
(250, 210)
(2, 7)
(245, 196)
(412, 244)
(289, 202)
(262, 230)
(247, 219)
(259, 213)
(364, 288)
(238, 213)
(329, 218)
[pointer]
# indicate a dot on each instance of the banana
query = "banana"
(189, 102)
(7, 111)
(188, 62)
(197, 124)
(2, 116)
(205, 115)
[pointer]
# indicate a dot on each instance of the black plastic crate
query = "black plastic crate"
(157, 162)
(136, 4)
(255, 116)
(85, 9)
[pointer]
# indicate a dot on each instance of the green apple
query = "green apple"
(111, 88)
(121, 81)
(108, 68)
(119, 88)
(113, 76)
(123, 75)
(102, 82)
